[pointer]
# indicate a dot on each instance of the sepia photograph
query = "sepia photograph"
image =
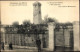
(39, 25)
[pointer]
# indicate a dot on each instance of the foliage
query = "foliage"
(15, 24)
(49, 19)
(25, 22)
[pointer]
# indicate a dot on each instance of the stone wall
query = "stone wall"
(76, 36)
(20, 39)
(26, 40)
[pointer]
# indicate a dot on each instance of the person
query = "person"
(10, 46)
(38, 43)
(2, 45)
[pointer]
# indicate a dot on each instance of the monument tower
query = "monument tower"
(37, 13)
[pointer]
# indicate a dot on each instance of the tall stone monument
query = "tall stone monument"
(37, 13)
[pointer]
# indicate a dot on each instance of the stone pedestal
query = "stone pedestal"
(51, 27)
(3, 36)
(76, 36)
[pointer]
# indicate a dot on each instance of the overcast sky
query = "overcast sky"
(61, 11)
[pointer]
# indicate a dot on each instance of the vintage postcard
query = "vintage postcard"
(39, 25)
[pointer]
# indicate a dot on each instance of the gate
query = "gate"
(63, 39)
(59, 39)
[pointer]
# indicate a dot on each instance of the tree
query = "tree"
(45, 19)
(26, 22)
(15, 23)
(68, 23)
(49, 19)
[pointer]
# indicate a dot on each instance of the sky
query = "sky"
(63, 11)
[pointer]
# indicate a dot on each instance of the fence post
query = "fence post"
(76, 36)
(3, 36)
(51, 27)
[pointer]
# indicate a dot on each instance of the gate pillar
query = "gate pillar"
(51, 27)
(3, 36)
(76, 36)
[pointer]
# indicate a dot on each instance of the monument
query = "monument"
(37, 13)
